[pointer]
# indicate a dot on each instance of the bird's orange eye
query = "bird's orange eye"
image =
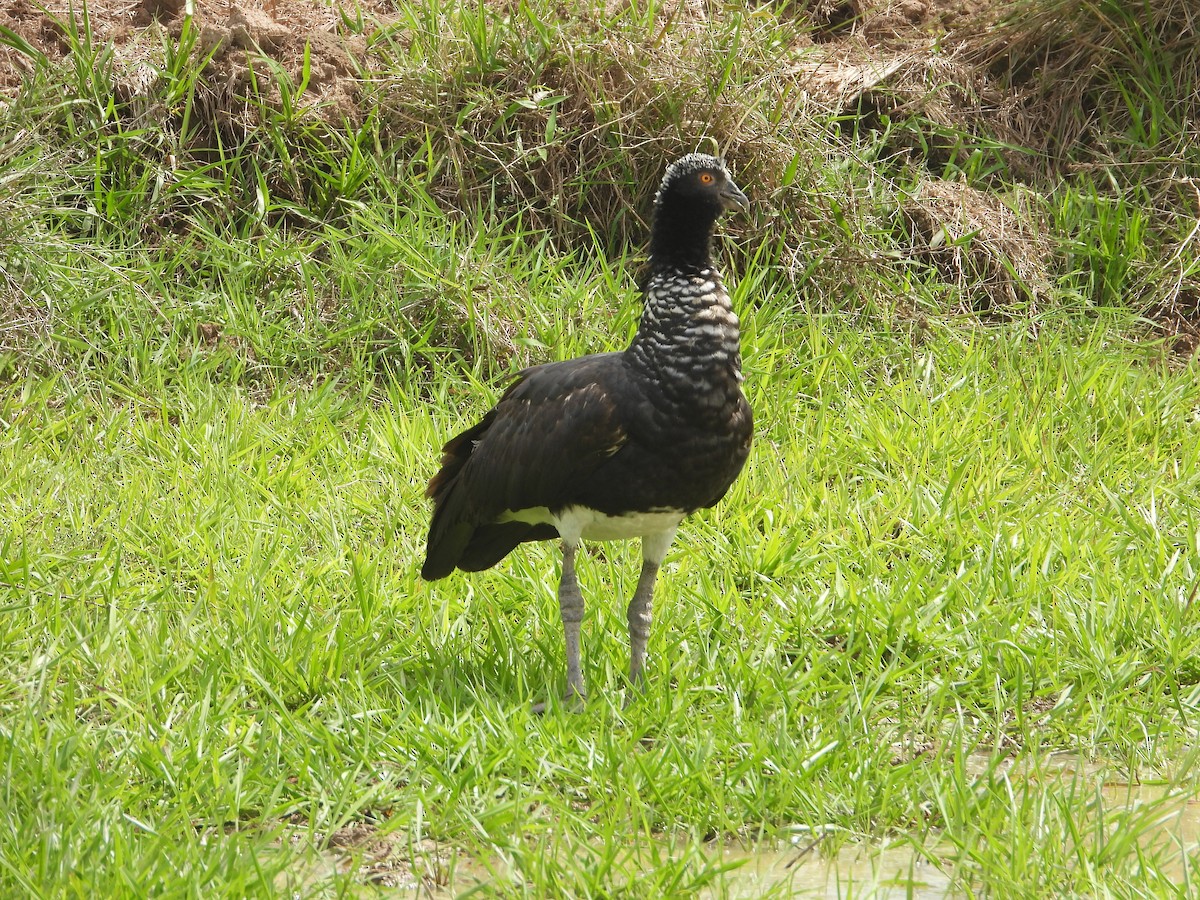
(706, 178)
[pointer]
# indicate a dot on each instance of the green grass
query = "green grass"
(977, 543)
(961, 553)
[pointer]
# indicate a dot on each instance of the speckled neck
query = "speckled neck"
(688, 339)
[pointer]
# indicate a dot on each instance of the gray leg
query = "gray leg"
(654, 550)
(640, 613)
(570, 607)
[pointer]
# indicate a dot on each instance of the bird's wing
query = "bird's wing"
(535, 448)
(555, 424)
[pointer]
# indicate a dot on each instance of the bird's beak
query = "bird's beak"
(733, 198)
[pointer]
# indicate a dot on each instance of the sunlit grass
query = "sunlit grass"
(962, 551)
(975, 543)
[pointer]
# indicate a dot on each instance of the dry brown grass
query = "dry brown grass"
(997, 254)
(857, 126)
(1066, 63)
(573, 137)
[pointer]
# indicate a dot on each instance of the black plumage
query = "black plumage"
(612, 445)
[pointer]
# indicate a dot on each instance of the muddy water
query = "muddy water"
(859, 871)
(800, 869)
(903, 871)
(854, 871)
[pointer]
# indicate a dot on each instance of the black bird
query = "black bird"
(612, 445)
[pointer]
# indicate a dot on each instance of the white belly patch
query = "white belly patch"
(576, 522)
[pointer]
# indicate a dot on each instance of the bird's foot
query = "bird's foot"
(634, 692)
(572, 700)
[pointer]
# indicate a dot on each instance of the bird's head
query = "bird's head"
(702, 185)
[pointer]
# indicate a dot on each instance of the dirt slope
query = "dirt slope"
(865, 42)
